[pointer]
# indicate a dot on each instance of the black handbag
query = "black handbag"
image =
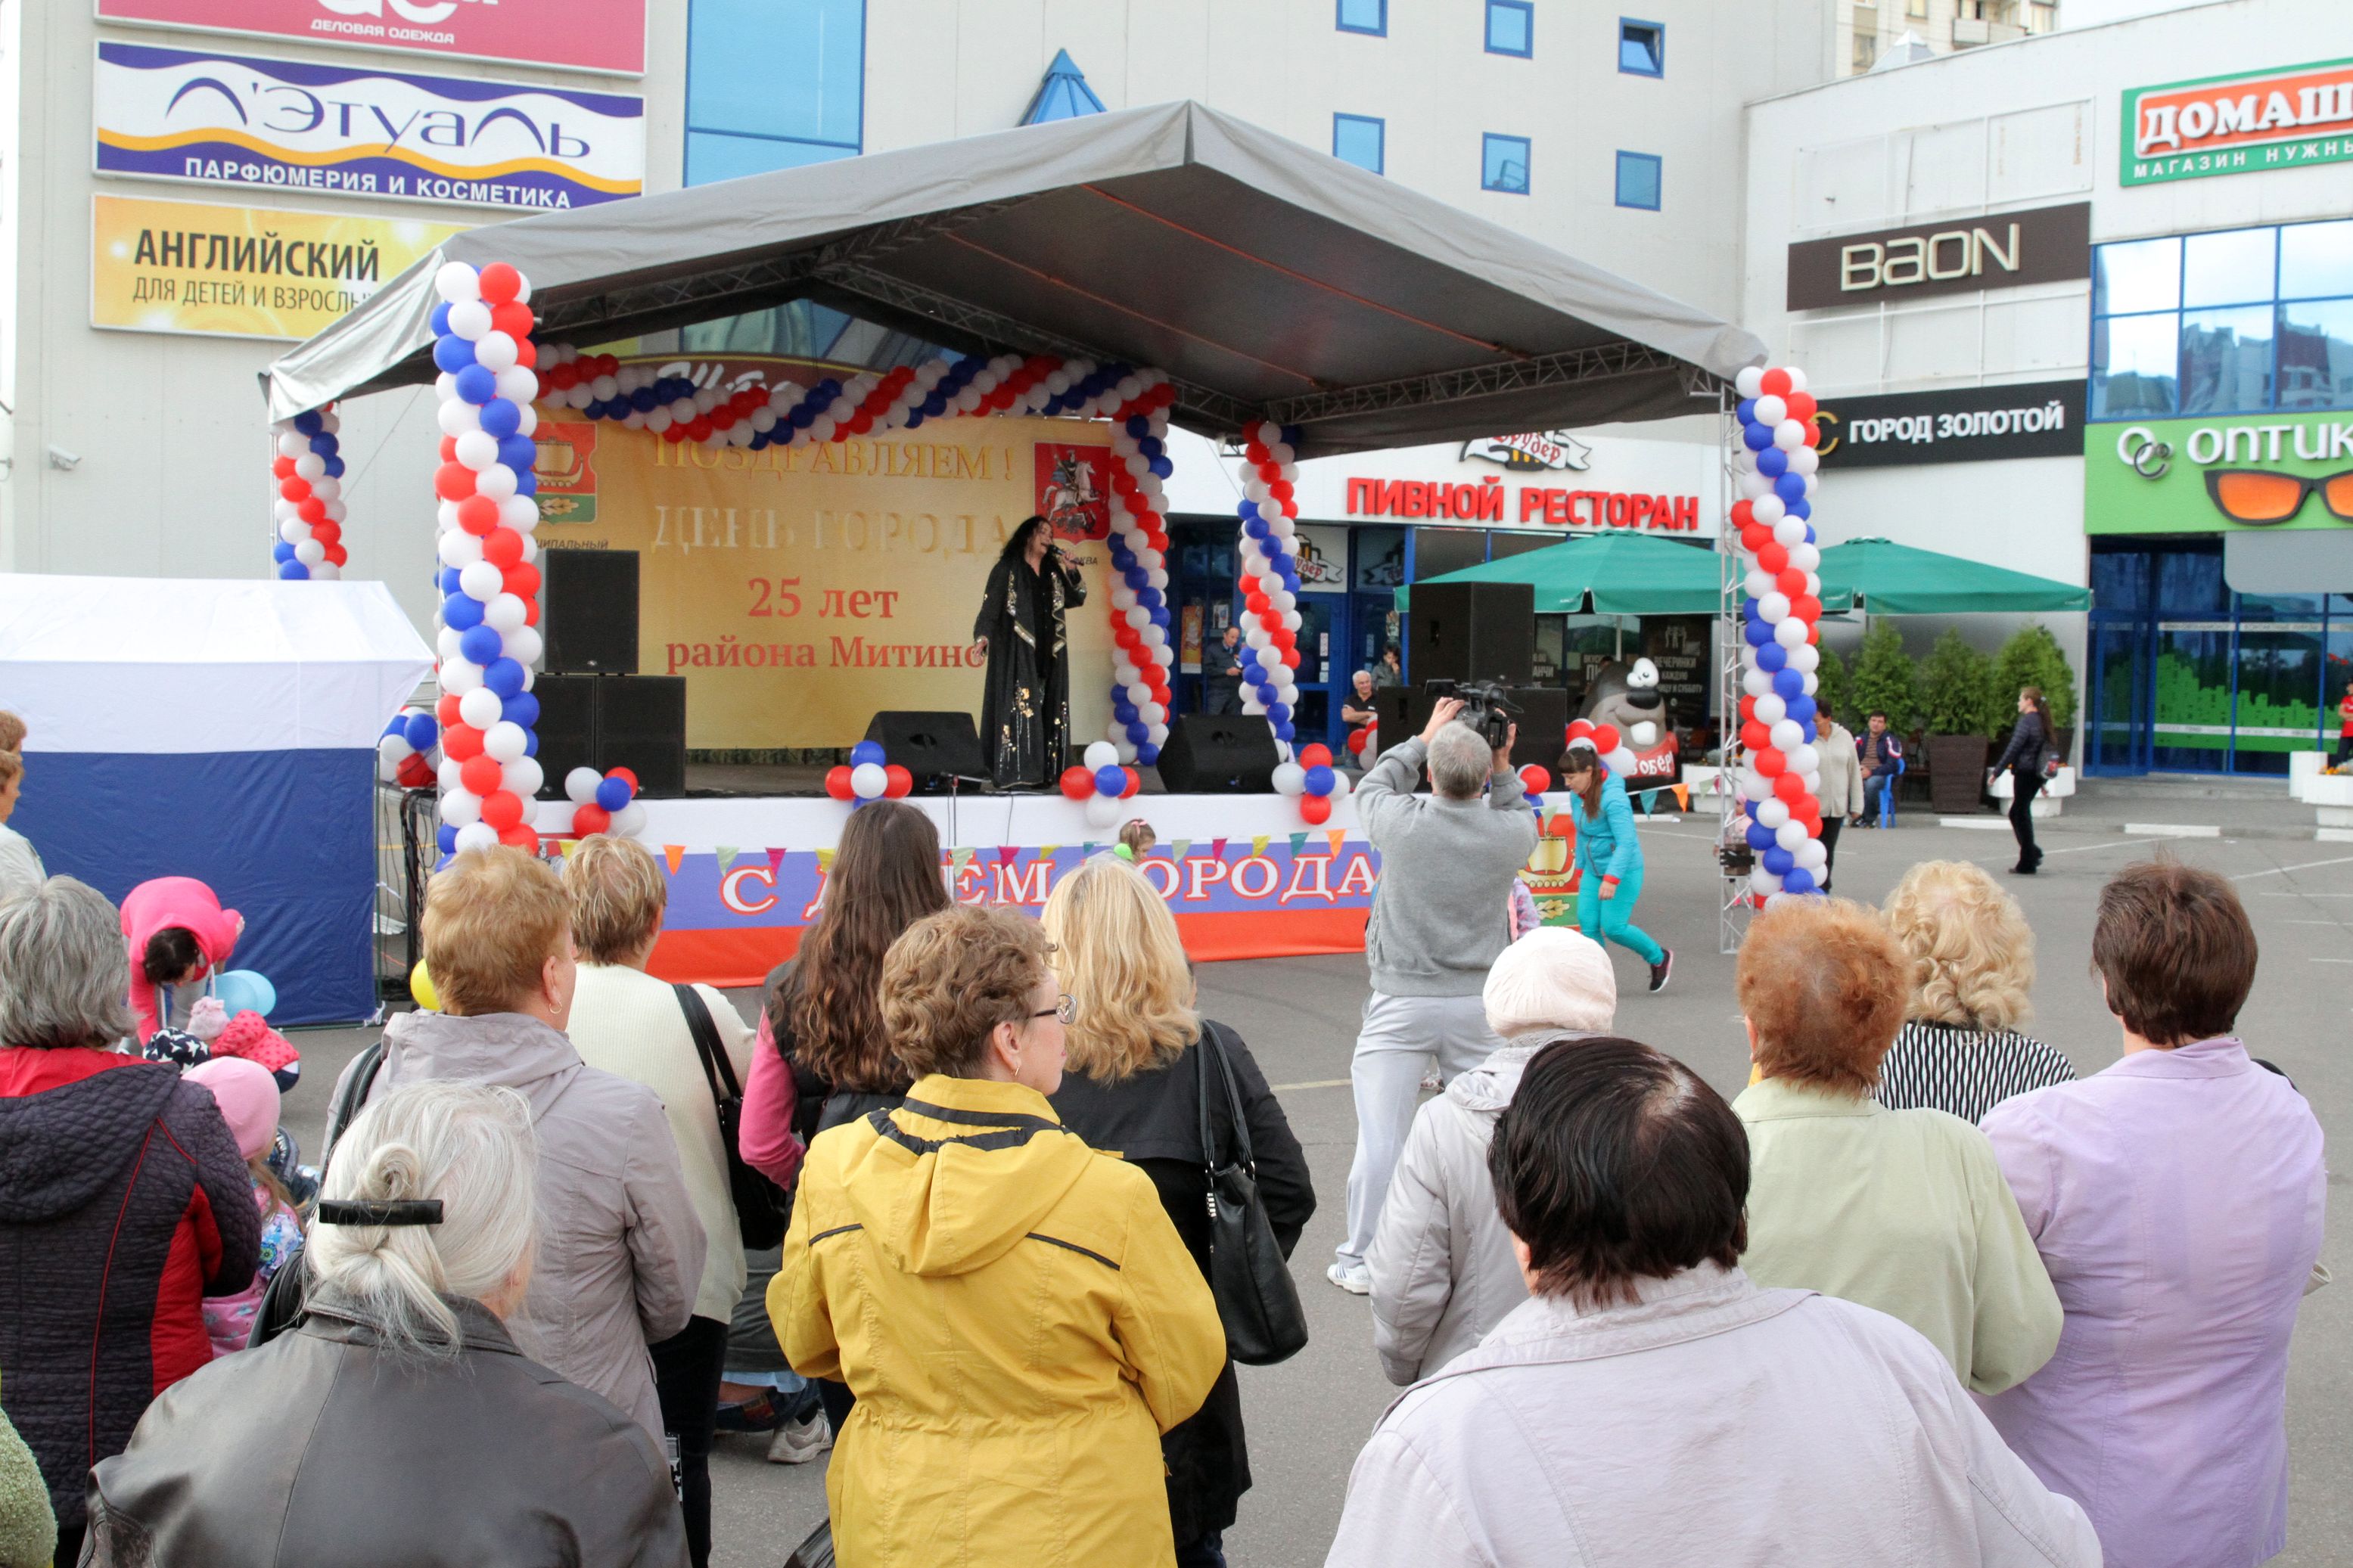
(761, 1207)
(1257, 1301)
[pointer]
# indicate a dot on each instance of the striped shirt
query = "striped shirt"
(1967, 1072)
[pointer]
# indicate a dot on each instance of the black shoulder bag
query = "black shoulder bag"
(283, 1298)
(1257, 1301)
(761, 1207)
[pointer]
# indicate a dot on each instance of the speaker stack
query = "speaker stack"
(1484, 632)
(1219, 753)
(595, 709)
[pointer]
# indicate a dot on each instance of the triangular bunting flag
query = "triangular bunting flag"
(1046, 851)
(1336, 838)
(775, 858)
(1087, 849)
(1298, 845)
(957, 858)
(824, 860)
(1006, 853)
(568, 847)
(1217, 848)
(1682, 797)
(726, 853)
(1258, 843)
(673, 853)
(1180, 848)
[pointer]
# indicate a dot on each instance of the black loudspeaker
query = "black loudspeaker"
(607, 721)
(1219, 753)
(1472, 631)
(590, 611)
(1543, 719)
(932, 746)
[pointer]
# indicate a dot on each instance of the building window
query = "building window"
(1364, 16)
(773, 84)
(2245, 321)
(1504, 166)
(1512, 27)
(1361, 140)
(1641, 48)
(1866, 50)
(1637, 180)
(1916, 8)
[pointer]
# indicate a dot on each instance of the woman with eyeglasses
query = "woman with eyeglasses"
(1137, 1070)
(1016, 1315)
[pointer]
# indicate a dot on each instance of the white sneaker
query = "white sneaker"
(799, 1442)
(1354, 1278)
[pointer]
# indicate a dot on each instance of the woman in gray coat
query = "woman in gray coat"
(398, 1426)
(1444, 1271)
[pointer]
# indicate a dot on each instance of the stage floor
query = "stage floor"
(808, 779)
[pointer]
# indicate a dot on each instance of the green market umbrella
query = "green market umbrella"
(1886, 578)
(1606, 574)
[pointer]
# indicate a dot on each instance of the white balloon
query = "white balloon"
(524, 776)
(1756, 786)
(312, 467)
(1621, 761)
(1339, 784)
(506, 740)
(1790, 835)
(1764, 884)
(1769, 410)
(520, 514)
(1806, 660)
(496, 352)
(1770, 709)
(1757, 584)
(1754, 486)
(1756, 682)
(1101, 754)
(1804, 760)
(1769, 509)
(629, 820)
(480, 707)
(1790, 434)
(1797, 377)
(457, 282)
(1805, 460)
(497, 481)
(1123, 598)
(477, 449)
(868, 781)
(505, 612)
(446, 643)
(471, 318)
(1790, 531)
(1807, 558)
(477, 835)
(1289, 779)
(1772, 812)
(460, 549)
(1749, 382)
(1790, 634)
(451, 773)
(1811, 855)
(310, 552)
(524, 644)
(461, 808)
(1773, 608)
(1787, 735)
(1106, 810)
(580, 785)
(480, 581)
(517, 384)
(1164, 655)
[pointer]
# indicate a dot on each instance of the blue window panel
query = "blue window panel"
(2315, 260)
(2144, 275)
(2226, 360)
(712, 155)
(1637, 180)
(2237, 266)
(1504, 165)
(789, 68)
(1512, 27)
(2316, 354)
(1641, 48)
(1362, 17)
(2135, 362)
(1361, 140)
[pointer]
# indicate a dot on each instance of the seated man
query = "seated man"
(1882, 755)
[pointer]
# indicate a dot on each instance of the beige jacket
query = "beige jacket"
(1842, 793)
(620, 1250)
(627, 1022)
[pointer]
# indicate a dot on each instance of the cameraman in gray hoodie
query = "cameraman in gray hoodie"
(1440, 917)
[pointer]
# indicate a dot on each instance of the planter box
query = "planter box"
(2049, 802)
(1956, 773)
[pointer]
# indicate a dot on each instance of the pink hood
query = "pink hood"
(166, 901)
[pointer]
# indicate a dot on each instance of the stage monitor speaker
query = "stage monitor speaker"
(934, 746)
(1219, 753)
(590, 611)
(1543, 719)
(641, 726)
(1472, 631)
(566, 727)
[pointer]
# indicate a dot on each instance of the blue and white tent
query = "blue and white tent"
(224, 730)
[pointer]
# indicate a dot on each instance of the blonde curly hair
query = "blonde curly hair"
(1971, 951)
(1117, 952)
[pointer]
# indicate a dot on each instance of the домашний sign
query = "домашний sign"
(2238, 124)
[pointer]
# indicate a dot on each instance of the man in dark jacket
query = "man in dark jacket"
(124, 1200)
(1221, 677)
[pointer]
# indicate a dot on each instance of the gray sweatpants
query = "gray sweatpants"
(1400, 1037)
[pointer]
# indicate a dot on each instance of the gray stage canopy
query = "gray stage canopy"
(1269, 281)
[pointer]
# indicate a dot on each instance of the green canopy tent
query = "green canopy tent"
(1884, 578)
(1609, 574)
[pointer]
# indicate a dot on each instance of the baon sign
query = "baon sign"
(2238, 124)
(2039, 244)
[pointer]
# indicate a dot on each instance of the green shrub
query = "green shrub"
(1956, 695)
(1885, 679)
(2032, 657)
(1831, 688)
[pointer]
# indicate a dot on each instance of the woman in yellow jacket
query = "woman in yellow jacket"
(1016, 1315)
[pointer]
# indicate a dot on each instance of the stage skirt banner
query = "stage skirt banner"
(802, 589)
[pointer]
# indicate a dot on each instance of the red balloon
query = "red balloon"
(501, 547)
(1077, 783)
(722, 419)
(1318, 756)
(1315, 809)
(1747, 708)
(501, 283)
(627, 776)
(1579, 729)
(1756, 537)
(522, 836)
(414, 771)
(589, 819)
(1534, 779)
(311, 510)
(1773, 558)
(461, 741)
(1754, 736)
(448, 449)
(531, 612)
(295, 486)
(501, 808)
(1807, 608)
(482, 776)
(478, 515)
(451, 481)
(1774, 383)
(1789, 787)
(1134, 782)
(327, 532)
(898, 781)
(1259, 603)
(1802, 405)
(1257, 452)
(1744, 512)
(836, 783)
(1769, 762)
(446, 710)
(1357, 739)
(1813, 434)
(514, 319)
(1792, 582)
(282, 468)
(698, 428)
(1290, 657)
(337, 555)
(522, 581)
(674, 434)
(1605, 738)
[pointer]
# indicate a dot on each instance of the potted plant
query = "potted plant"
(1958, 705)
(1884, 680)
(2032, 657)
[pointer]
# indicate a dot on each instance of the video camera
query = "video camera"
(1486, 708)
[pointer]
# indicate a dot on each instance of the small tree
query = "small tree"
(1956, 688)
(2032, 657)
(1832, 683)
(1884, 678)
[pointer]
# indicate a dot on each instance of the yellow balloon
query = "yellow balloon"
(420, 985)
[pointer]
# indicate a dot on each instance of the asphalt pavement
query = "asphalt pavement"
(1308, 1418)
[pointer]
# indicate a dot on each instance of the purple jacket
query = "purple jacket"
(2176, 1199)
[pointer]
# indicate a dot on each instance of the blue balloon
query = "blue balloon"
(1319, 780)
(644, 401)
(1136, 576)
(614, 794)
(446, 835)
(1760, 837)
(1110, 781)
(452, 354)
(1801, 509)
(460, 612)
(474, 384)
(1746, 411)
(1749, 604)
(521, 709)
(1151, 446)
(1809, 527)
(1124, 711)
(1757, 437)
(500, 418)
(243, 991)
(1780, 861)
(1759, 636)
(1138, 733)
(866, 751)
(529, 739)
(281, 552)
(420, 732)
(526, 482)
(1772, 462)
(441, 320)
(1163, 467)
(481, 644)
(446, 579)
(1294, 437)
(1798, 880)
(1790, 486)
(309, 422)
(1149, 598)
(1146, 753)
(1245, 510)
(1285, 732)
(1802, 710)
(1255, 527)
(293, 571)
(334, 466)
(519, 452)
(503, 676)
(1138, 426)
(323, 445)
(1789, 682)
(1278, 712)
(1771, 656)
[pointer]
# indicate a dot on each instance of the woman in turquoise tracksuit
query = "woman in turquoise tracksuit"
(1610, 858)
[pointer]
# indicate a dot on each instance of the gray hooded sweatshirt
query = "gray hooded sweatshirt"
(620, 1250)
(1441, 914)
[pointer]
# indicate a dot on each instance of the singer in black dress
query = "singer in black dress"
(1025, 715)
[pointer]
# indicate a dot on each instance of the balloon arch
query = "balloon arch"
(492, 377)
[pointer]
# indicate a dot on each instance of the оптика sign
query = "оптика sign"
(2218, 474)
(1965, 425)
(2239, 124)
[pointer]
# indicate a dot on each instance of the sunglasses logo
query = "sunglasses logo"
(2260, 496)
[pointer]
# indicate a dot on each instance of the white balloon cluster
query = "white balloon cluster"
(1270, 578)
(309, 511)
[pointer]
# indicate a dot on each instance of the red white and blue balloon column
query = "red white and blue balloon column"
(1776, 471)
(868, 776)
(1141, 697)
(1312, 782)
(1101, 783)
(309, 510)
(1269, 583)
(487, 634)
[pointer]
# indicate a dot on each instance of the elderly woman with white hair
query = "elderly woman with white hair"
(1443, 1268)
(398, 1424)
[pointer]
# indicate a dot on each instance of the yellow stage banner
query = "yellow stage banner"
(801, 589)
(237, 271)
